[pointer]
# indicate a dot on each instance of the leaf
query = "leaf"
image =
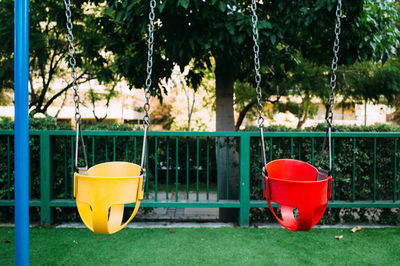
(339, 237)
(119, 16)
(231, 28)
(264, 24)
(161, 7)
(184, 3)
(222, 6)
(240, 38)
(355, 229)
(273, 39)
(191, 44)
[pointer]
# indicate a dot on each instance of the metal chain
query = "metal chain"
(335, 59)
(256, 49)
(146, 118)
(331, 102)
(72, 64)
(72, 60)
(146, 107)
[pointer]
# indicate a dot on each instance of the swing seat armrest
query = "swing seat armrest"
(322, 174)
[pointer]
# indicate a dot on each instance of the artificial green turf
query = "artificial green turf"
(207, 246)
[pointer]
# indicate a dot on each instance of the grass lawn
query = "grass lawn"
(207, 246)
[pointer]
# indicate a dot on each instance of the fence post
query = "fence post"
(45, 172)
(244, 179)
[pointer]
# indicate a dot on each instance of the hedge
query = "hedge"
(281, 148)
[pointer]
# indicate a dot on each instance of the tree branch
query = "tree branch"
(32, 93)
(55, 96)
(243, 113)
(39, 101)
(247, 107)
(62, 105)
(52, 69)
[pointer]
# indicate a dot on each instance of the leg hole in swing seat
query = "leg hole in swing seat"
(127, 213)
(287, 214)
(295, 213)
(278, 212)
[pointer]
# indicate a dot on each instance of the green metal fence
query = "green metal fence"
(192, 169)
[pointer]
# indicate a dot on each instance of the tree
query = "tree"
(245, 100)
(373, 82)
(195, 31)
(93, 97)
(161, 115)
(178, 81)
(48, 50)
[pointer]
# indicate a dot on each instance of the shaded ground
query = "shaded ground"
(207, 246)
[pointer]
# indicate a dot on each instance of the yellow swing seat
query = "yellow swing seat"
(103, 192)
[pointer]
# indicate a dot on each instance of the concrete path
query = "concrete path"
(144, 225)
(210, 225)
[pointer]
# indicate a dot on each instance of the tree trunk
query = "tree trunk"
(243, 113)
(302, 120)
(190, 108)
(365, 112)
(304, 117)
(229, 182)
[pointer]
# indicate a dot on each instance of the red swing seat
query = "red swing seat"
(292, 183)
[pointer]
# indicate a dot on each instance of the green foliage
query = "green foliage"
(47, 123)
(125, 149)
(114, 126)
(199, 29)
(355, 128)
(61, 156)
(48, 49)
(7, 44)
(369, 81)
(6, 123)
(162, 116)
(94, 97)
(343, 170)
(378, 19)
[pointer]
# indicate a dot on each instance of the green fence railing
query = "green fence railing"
(194, 169)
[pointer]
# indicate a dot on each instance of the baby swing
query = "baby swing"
(102, 190)
(293, 183)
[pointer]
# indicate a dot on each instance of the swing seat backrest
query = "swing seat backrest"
(102, 194)
(293, 183)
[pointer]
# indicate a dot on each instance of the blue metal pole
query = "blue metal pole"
(21, 76)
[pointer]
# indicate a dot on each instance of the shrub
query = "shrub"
(101, 148)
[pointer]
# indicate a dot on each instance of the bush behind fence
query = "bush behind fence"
(364, 168)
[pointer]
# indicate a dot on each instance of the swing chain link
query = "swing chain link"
(72, 59)
(146, 118)
(335, 59)
(72, 64)
(331, 102)
(256, 50)
(146, 107)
